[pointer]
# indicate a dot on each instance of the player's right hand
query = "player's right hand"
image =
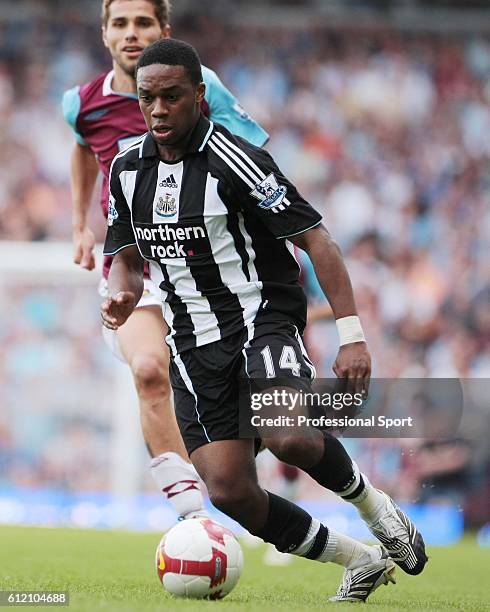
(353, 364)
(114, 311)
(84, 244)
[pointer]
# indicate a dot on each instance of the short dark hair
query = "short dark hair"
(173, 52)
(162, 11)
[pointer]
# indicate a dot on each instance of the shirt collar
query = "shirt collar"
(199, 138)
(108, 91)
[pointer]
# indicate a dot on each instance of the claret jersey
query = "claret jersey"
(108, 122)
(214, 228)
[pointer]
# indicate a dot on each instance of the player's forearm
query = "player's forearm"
(319, 312)
(84, 172)
(126, 273)
(329, 269)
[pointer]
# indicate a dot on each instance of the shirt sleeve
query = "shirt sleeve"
(119, 228)
(70, 105)
(263, 190)
(224, 108)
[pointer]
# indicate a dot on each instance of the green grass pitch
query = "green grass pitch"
(115, 571)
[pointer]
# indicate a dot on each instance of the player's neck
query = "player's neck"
(172, 154)
(122, 82)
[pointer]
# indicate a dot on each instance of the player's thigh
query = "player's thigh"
(280, 375)
(278, 354)
(206, 391)
(143, 336)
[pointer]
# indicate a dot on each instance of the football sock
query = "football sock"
(179, 482)
(370, 503)
(336, 471)
(293, 530)
(351, 553)
(324, 544)
(333, 546)
(286, 526)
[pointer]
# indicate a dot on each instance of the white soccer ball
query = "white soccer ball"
(199, 558)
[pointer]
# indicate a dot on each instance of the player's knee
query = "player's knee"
(232, 496)
(150, 374)
(291, 449)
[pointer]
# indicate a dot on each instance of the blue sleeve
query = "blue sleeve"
(311, 285)
(224, 108)
(71, 107)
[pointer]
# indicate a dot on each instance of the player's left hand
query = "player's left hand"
(353, 364)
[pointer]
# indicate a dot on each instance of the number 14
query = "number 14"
(287, 361)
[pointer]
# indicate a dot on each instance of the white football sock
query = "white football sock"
(179, 482)
(338, 549)
(371, 503)
(351, 553)
(313, 532)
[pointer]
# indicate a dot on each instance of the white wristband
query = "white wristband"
(350, 330)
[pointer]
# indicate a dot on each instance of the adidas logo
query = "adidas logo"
(169, 182)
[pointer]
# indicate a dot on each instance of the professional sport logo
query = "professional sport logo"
(269, 193)
(166, 207)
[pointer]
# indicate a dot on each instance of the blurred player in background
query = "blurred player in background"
(105, 117)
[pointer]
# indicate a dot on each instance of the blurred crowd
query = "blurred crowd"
(386, 133)
(55, 389)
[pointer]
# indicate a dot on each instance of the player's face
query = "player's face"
(170, 103)
(131, 27)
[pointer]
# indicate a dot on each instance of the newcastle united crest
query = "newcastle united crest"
(166, 206)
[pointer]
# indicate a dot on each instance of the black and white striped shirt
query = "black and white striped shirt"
(214, 228)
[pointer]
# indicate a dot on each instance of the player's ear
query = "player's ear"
(167, 31)
(104, 37)
(200, 92)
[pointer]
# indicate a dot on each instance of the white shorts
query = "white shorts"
(150, 297)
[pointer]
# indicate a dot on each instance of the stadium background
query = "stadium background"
(380, 113)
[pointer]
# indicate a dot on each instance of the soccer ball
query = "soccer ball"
(199, 558)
